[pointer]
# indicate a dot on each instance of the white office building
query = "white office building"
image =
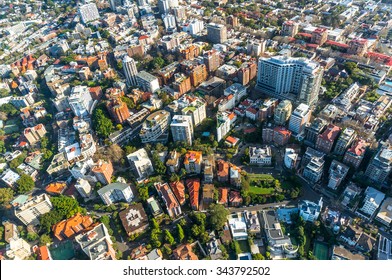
(310, 211)
(170, 22)
(299, 118)
(372, 201)
(222, 125)
(182, 129)
(295, 79)
(130, 70)
(83, 187)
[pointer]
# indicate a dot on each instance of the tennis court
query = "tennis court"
(320, 251)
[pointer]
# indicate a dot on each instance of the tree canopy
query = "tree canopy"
(102, 125)
(218, 216)
(25, 184)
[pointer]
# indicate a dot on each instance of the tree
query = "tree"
(25, 184)
(143, 193)
(32, 236)
(174, 177)
(9, 109)
(236, 247)
(169, 237)
(159, 166)
(128, 101)
(218, 216)
(102, 125)
(154, 224)
(6, 194)
(45, 239)
(258, 256)
(180, 232)
(66, 206)
(47, 220)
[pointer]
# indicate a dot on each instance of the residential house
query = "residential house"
(134, 219)
(173, 207)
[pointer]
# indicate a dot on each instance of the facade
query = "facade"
(283, 112)
(310, 211)
(80, 101)
(118, 110)
(290, 28)
(337, 173)
(34, 134)
(103, 171)
(319, 36)
(313, 130)
(140, 164)
(281, 136)
(326, 139)
(147, 81)
(182, 129)
(380, 165)
(216, 33)
(299, 118)
(193, 161)
(313, 171)
(295, 79)
(372, 201)
(196, 108)
(211, 60)
(30, 211)
(384, 216)
(134, 219)
(155, 128)
(172, 206)
(260, 156)
(223, 125)
(290, 158)
(355, 154)
(173, 162)
(344, 141)
(116, 192)
(130, 70)
(83, 187)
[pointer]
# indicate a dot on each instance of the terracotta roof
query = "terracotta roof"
(42, 253)
(179, 191)
(56, 188)
(184, 252)
(358, 148)
(72, 226)
(193, 186)
(331, 133)
(337, 44)
(231, 140)
(193, 156)
(282, 130)
(168, 195)
(304, 34)
(252, 110)
(223, 194)
(223, 168)
(235, 197)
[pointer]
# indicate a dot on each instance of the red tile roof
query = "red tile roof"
(358, 148)
(193, 186)
(179, 191)
(331, 133)
(223, 194)
(223, 168)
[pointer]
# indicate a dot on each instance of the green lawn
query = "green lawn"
(258, 190)
(244, 246)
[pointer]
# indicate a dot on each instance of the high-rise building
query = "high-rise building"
(198, 75)
(179, 13)
(182, 129)
(299, 118)
(88, 12)
(312, 131)
(381, 164)
(170, 22)
(80, 101)
(222, 125)
(216, 33)
(345, 140)
(358, 46)
(232, 20)
(155, 127)
(211, 60)
(103, 170)
(283, 112)
(319, 36)
(255, 47)
(147, 81)
(114, 4)
(118, 110)
(295, 79)
(166, 5)
(289, 28)
(130, 70)
(326, 139)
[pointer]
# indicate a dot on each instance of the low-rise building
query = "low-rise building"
(96, 243)
(154, 206)
(355, 154)
(326, 140)
(310, 210)
(173, 208)
(184, 252)
(260, 156)
(193, 186)
(134, 219)
(68, 228)
(193, 161)
(238, 226)
(384, 216)
(140, 164)
(173, 161)
(116, 192)
(30, 211)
